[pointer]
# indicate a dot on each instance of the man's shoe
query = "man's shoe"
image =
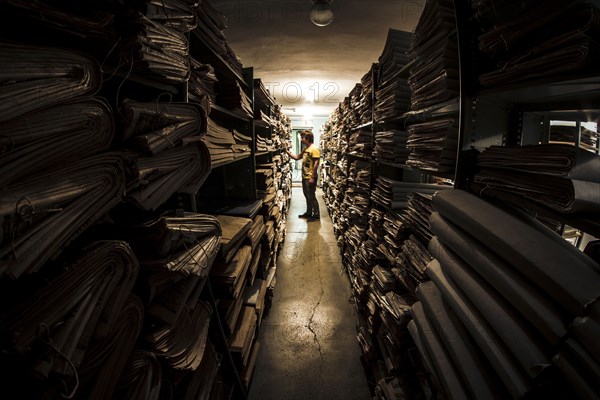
(305, 215)
(313, 218)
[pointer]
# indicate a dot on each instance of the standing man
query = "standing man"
(310, 166)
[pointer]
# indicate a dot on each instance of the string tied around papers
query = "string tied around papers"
(181, 228)
(114, 46)
(47, 342)
(130, 61)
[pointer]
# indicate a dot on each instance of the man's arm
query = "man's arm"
(294, 156)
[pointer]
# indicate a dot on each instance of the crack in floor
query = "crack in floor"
(310, 322)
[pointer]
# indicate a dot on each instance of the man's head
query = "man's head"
(307, 135)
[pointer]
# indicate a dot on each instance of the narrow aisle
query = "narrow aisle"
(308, 345)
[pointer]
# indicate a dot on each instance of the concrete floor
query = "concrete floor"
(308, 345)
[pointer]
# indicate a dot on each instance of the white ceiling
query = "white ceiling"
(307, 67)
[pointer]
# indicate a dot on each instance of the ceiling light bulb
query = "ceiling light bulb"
(321, 13)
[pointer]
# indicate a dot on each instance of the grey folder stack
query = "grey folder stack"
(434, 76)
(242, 146)
(393, 308)
(264, 144)
(156, 51)
(412, 259)
(230, 284)
(153, 179)
(442, 340)
(75, 75)
(411, 263)
(561, 44)
(141, 378)
(164, 150)
(393, 235)
(153, 127)
(357, 198)
(394, 56)
(376, 229)
(392, 96)
(65, 125)
(390, 193)
(212, 25)
(183, 350)
(73, 197)
(360, 174)
(357, 101)
(256, 232)
(392, 100)
(202, 83)
(78, 307)
(390, 146)
(199, 384)
(156, 46)
(419, 209)
(106, 359)
(518, 295)
(361, 142)
(231, 267)
(558, 176)
(220, 142)
(57, 133)
(338, 193)
(176, 254)
(151, 44)
(233, 97)
(433, 145)
(395, 194)
(57, 173)
(182, 346)
(366, 95)
(175, 14)
(264, 179)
